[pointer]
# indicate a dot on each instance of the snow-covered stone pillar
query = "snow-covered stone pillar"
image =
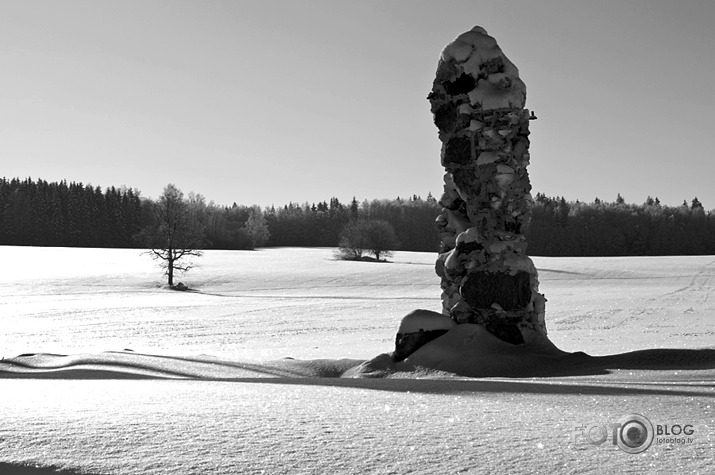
(478, 105)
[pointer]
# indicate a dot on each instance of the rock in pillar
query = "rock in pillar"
(418, 328)
(478, 104)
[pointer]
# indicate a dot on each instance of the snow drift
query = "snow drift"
(466, 350)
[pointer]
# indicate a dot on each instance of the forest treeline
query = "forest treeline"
(41, 213)
(563, 228)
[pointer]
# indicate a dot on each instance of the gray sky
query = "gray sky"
(273, 101)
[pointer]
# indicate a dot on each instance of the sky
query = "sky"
(269, 102)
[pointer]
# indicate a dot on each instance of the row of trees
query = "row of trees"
(321, 224)
(558, 227)
(71, 214)
(38, 213)
(564, 228)
(41, 213)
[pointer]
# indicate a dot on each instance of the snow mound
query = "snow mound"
(466, 350)
(130, 365)
(470, 350)
(424, 320)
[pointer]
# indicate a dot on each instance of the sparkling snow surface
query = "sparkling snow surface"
(301, 303)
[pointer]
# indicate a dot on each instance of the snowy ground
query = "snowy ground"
(300, 303)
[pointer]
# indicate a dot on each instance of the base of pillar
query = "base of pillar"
(471, 350)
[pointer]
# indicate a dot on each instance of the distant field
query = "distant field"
(302, 303)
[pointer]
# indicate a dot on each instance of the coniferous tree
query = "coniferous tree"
(37, 212)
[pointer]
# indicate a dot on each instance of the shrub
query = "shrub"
(359, 237)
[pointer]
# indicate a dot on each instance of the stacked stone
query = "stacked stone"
(478, 105)
(418, 328)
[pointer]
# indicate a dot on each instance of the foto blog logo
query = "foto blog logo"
(632, 433)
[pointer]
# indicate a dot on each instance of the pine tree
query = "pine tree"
(354, 209)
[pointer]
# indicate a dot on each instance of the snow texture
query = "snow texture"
(208, 387)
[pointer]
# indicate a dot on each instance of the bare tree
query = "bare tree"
(178, 234)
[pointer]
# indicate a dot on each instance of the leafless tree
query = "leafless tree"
(178, 234)
(257, 227)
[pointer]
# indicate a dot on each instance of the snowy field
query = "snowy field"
(251, 308)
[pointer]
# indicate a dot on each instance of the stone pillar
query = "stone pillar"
(478, 104)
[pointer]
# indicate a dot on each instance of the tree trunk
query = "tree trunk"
(170, 267)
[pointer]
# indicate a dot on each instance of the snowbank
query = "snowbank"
(467, 351)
